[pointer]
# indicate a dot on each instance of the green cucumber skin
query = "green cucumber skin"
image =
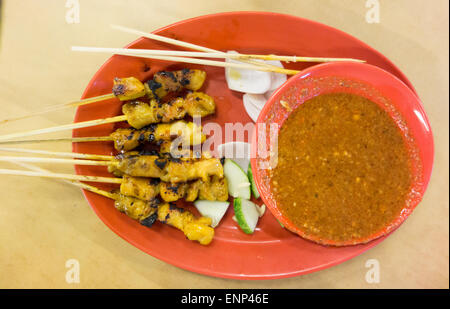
(237, 205)
(252, 182)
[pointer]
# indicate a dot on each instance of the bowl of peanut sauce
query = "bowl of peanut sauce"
(352, 154)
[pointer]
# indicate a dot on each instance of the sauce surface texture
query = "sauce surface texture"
(343, 171)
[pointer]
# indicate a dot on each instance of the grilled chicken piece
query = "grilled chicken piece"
(143, 211)
(140, 114)
(143, 188)
(126, 139)
(167, 169)
(186, 170)
(147, 212)
(170, 148)
(171, 192)
(165, 82)
(214, 189)
(183, 151)
(128, 88)
(199, 104)
(197, 229)
(191, 193)
(141, 165)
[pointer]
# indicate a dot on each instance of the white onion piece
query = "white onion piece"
(258, 100)
(278, 79)
(249, 81)
(252, 110)
(268, 94)
(239, 152)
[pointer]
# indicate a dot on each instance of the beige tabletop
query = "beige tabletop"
(45, 223)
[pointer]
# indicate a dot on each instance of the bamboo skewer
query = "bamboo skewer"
(177, 56)
(55, 108)
(221, 55)
(71, 126)
(292, 58)
(61, 176)
(142, 54)
(93, 189)
(61, 154)
(163, 39)
(182, 44)
(72, 182)
(57, 161)
(68, 139)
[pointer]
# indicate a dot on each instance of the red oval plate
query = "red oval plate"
(271, 252)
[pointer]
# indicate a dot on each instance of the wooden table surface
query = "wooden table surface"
(44, 223)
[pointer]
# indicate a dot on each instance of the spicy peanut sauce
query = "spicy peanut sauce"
(343, 171)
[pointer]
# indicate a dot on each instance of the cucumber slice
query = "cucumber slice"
(252, 182)
(238, 185)
(246, 214)
(212, 209)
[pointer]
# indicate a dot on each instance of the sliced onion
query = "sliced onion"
(258, 100)
(278, 79)
(249, 81)
(257, 85)
(252, 110)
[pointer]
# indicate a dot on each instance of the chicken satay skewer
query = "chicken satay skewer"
(130, 88)
(132, 186)
(146, 188)
(140, 114)
(215, 188)
(150, 166)
(147, 212)
(126, 139)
